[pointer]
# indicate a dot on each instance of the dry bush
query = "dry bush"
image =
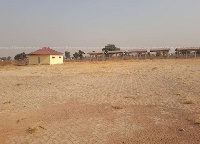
(20, 63)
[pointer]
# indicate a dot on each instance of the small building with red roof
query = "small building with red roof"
(46, 56)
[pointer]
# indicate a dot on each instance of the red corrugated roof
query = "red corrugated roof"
(45, 51)
(137, 50)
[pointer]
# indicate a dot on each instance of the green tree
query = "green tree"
(75, 55)
(3, 58)
(21, 56)
(67, 55)
(8, 58)
(78, 54)
(110, 47)
(198, 51)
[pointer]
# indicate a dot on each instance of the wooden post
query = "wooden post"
(195, 53)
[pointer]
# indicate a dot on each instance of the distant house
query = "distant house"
(45, 56)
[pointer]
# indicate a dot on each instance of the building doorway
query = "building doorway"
(38, 60)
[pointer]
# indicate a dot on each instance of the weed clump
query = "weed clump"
(34, 129)
(189, 101)
(117, 107)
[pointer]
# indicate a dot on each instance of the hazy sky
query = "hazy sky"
(95, 23)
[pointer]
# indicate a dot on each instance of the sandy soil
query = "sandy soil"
(122, 101)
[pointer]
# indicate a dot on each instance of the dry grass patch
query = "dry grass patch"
(130, 97)
(18, 84)
(34, 72)
(7, 102)
(117, 107)
(34, 129)
(155, 68)
(197, 119)
(20, 63)
(20, 120)
(5, 63)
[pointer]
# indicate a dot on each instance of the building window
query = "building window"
(60, 57)
(53, 57)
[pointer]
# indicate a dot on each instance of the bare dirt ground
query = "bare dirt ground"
(113, 102)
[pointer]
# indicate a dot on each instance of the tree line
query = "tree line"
(76, 55)
(5, 58)
(79, 54)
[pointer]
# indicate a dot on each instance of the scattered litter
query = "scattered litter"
(181, 129)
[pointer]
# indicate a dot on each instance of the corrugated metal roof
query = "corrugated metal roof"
(159, 49)
(115, 52)
(45, 51)
(109, 52)
(95, 53)
(184, 49)
(137, 50)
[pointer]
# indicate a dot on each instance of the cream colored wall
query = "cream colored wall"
(56, 60)
(44, 59)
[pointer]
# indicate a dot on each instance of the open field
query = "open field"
(113, 102)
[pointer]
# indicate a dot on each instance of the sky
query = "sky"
(92, 24)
